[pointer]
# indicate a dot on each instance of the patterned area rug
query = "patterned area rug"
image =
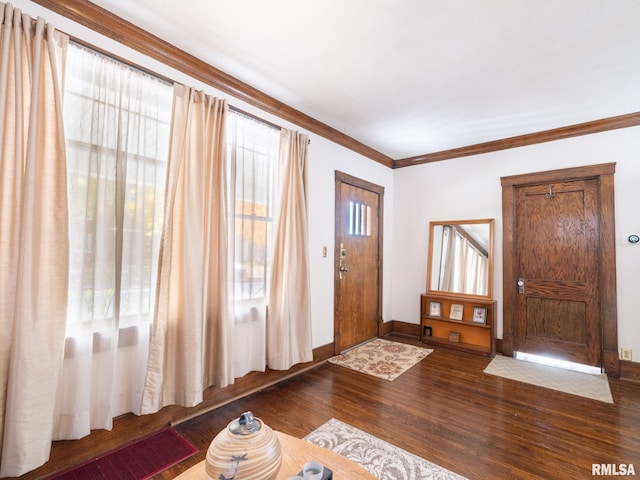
(576, 383)
(382, 459)
(382, 358)
(137, 460)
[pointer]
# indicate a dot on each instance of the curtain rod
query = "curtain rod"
(164, 78)
(257, 119)
(254, 117)
(108, 54)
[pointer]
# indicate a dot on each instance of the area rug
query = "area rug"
(380, 458)
(137, 460)
(382, 358)
(575, 383)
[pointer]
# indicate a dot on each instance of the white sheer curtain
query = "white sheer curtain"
(289, 317)
(192, 333)
(476, 279)
(464, 267)
(33, 236)
(253, 160)
(117, 124)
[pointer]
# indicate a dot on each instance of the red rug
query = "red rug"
(137, 460)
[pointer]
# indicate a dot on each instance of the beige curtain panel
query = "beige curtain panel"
(289, 314)
(191, 333)
(33, 236)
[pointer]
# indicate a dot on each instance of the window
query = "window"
(359, 217)
(117, 129)
(252, 148)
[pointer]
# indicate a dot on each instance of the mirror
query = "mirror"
(460, 260)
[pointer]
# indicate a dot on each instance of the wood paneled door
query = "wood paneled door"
(559, 269)
(358, 257)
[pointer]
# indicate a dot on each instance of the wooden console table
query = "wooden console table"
(294, 453)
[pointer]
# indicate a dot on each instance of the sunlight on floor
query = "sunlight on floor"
(554, 362)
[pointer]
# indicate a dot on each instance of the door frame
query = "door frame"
(340, 178)
(603, 173)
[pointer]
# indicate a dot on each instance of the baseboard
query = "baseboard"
(255, 381)
(385, 328)
(404, 328)
(630, 371)
(324, 352)
(215, 397)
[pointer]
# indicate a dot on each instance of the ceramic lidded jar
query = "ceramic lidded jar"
(246, 450)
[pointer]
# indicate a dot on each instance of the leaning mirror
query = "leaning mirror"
(460, 259)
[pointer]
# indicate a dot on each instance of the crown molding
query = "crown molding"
(112, 26)
(587, 128)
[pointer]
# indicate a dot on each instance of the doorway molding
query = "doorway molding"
(603, 173)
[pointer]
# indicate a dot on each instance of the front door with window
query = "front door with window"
(357, 259)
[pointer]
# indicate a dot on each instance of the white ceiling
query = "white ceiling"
(410, 77)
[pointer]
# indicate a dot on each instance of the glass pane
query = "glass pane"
(253, 155)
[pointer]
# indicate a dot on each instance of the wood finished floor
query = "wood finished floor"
(444, 409)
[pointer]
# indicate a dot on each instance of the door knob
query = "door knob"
(521, 285)
(343, 269)
(343, 264)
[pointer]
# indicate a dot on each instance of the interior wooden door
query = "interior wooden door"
(559, 271)
(557, 238)
(357, 261)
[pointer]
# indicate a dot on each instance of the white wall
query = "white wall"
(324, 158)
(462, 188)
(469, 187)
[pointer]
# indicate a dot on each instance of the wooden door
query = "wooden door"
(559, 289)
(357, 261)
(557, 245)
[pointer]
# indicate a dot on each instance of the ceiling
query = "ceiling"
(412, 77)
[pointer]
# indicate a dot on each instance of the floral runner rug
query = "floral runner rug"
(382, 459)
(381, 358)
(575, 383)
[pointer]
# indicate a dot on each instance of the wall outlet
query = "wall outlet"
(626, 353)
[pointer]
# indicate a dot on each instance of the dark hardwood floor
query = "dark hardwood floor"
(445, 409)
